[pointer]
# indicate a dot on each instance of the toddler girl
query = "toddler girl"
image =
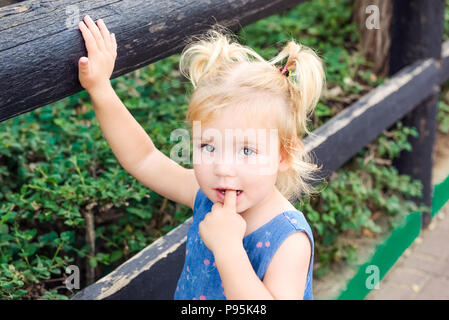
(247, 115)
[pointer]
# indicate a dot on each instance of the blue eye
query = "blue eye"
(211, 149)
(206, 145)
(246, 148)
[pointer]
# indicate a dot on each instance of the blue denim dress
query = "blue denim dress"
(200, 280)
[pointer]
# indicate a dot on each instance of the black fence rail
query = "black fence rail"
(40, 42)
(149, 31)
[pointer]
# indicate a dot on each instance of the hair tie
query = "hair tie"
(284, 71)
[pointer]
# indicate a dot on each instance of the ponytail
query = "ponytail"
(307, 78)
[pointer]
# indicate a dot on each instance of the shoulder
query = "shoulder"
(298, 222)
(294, 232)
(295, 249)
(286, 275)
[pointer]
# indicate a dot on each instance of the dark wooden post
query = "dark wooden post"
(416, 33)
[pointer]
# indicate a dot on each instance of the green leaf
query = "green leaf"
(142, 213)
(48, 237)
(93, 262)
(115, 255)
(68, 236)
(4, 229)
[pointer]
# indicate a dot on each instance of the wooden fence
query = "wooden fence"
(149, 31)
(40, 42)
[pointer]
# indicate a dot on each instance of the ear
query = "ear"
(284, 160)
(284, 164)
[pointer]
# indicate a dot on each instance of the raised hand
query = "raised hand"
(95, 70)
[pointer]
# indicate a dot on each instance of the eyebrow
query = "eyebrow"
(210, 139)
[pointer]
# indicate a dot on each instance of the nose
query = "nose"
(225, 166)
(224, 170)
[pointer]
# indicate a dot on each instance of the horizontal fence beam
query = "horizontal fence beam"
(333, 144)
(40, 43)
(150, 274)
(349, 131)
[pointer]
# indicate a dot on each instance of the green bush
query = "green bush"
(55, 166)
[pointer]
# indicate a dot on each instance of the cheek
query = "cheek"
(257, 185)
(262, 166)
(202, 174)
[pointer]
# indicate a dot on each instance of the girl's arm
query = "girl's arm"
(129, 142)
(240, 282)
(137, 154)
(222, 232)
(285, 277)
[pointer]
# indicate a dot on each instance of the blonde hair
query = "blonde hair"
(225, 73)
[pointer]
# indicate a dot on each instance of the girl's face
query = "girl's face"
(232, 152)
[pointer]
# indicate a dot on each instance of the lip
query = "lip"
(221, 197)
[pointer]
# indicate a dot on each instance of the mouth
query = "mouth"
(221, 193)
